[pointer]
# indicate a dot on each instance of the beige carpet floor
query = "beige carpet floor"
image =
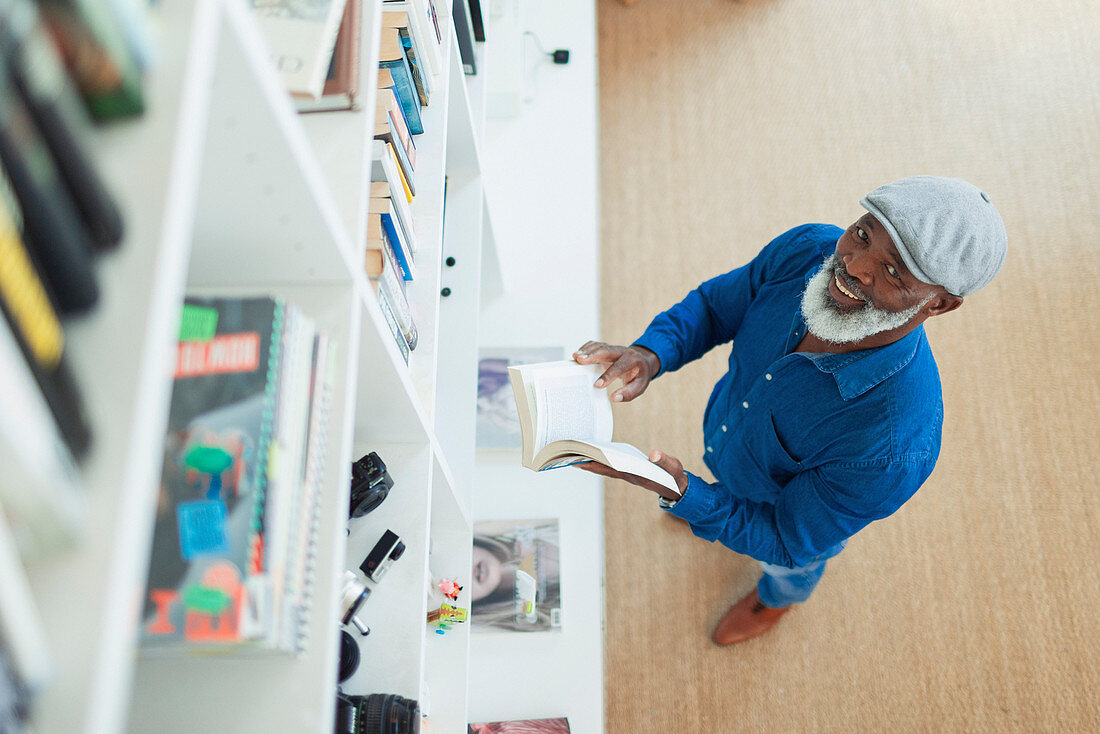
(975, 607)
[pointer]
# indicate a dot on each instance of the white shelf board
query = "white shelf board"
(389, 407)
(397, 607)
(266, 211)
(123, 355)
(455, 420)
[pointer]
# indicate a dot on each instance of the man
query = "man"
(830, 414)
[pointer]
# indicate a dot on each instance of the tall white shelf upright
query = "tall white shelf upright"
(226, 190)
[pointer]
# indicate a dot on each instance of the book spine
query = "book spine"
(256, 611)
(41, 82)
(395, 330)
(392, 107)
(387, 282)
(465, 36)
(476, 20)
(104, 71)
(400, 250)
(26, 304)
(315, 472)
(403, 86)
(380, 255)
(52, 229)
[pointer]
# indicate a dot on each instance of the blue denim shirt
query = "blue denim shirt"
(807, 448)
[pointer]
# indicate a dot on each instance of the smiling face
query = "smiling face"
(864, 296)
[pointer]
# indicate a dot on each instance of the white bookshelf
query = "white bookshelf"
(226, 190)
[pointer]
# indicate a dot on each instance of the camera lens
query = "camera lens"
(349, 656)
(389, 714)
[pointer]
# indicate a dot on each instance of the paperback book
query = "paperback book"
(565, 420)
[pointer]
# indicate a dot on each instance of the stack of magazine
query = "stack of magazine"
(244, 462)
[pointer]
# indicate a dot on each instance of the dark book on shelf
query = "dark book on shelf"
(394, 73)
(208, 583)
(50, 225)
(465, 36)
(29, 310)
(94, 46)
(399, 21)
(382, 210)
(477, 21)
(42, 84)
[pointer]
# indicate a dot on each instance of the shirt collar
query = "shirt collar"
(857, 372)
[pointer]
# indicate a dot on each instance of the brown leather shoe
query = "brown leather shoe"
(746, 619)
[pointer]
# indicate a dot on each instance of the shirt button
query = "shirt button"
(768, 376)
(710, 449)
(724, 429)
(744, 405)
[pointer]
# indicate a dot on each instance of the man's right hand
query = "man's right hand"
(634, 365)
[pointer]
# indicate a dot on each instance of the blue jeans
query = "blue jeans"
(781, 586)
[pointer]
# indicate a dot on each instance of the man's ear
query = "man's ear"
(943, 303)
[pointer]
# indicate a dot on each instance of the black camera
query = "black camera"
(378, 713)
(370, 483)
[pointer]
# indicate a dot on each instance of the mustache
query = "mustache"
(849, 282)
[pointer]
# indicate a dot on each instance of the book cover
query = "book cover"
(43, 210)
(394, 328)
(341, 90)
(379, 253)
(414, 51)
(389, 283)
(497, 419)
(43, 86)
(465, 36)
(387, 217)
(388, 130)
(388, 105)
(521, 726)
(27, 306)
(424, 25)
(324, 364)
(387, 175)
(207, 571)
(477, 21)
(94, 47)
(301, 35)
(515, 582)
(392, 59)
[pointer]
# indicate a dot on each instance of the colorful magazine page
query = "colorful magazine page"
(525, 726)
(515, 583)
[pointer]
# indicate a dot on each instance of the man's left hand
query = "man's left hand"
(669, 463)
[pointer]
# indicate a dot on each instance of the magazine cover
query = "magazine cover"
(213, 479)
(527, 726)
(515, 584)
(497, 421)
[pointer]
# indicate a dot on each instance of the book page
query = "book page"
(569, 407)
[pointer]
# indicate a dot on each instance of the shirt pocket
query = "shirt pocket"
(768, 453)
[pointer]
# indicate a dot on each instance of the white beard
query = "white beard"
(827, 322)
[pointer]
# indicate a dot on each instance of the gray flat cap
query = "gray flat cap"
(946, 230)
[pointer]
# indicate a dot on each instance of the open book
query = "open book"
(565, 420)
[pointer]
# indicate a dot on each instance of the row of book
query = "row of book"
(406, 78)
(65, 67)
(244, 461)
(56, 218)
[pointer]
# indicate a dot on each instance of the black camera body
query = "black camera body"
(370, 483)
